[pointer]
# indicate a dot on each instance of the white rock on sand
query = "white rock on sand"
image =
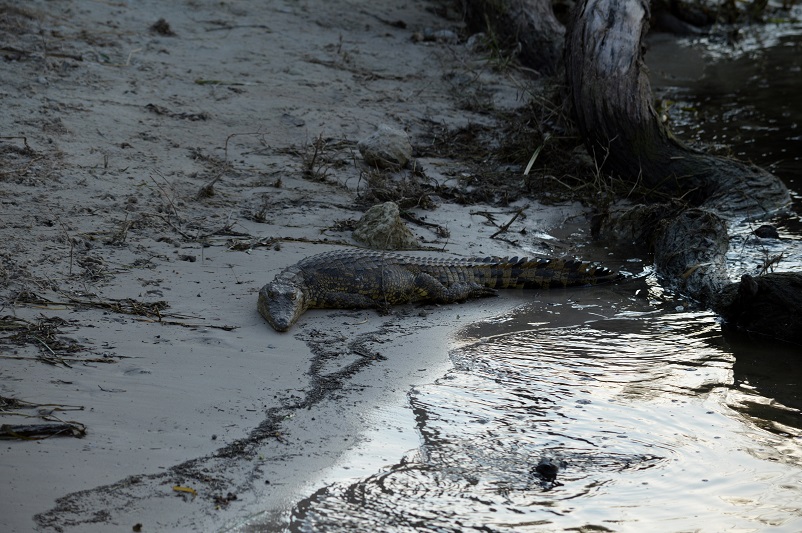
(387, 147)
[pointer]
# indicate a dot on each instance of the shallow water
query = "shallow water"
(661, 428)
(661, 422)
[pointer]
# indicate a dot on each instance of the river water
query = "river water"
(657, 421)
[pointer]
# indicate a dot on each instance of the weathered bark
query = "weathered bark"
(526, 25)
(612, 101)
(692, 248)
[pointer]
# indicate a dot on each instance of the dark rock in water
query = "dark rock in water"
(767, 306)
(549, 467)
(767, 232)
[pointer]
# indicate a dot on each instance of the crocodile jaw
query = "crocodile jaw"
(281, 304)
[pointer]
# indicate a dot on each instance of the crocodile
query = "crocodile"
(361, 279)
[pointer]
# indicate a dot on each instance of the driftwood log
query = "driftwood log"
(612, 103)
(612, 100)
(41, 431)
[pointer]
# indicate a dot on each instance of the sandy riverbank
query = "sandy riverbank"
(172, 163)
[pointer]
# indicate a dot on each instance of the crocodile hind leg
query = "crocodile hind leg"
(429, 288)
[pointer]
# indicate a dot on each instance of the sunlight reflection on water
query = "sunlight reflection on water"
(637, 408)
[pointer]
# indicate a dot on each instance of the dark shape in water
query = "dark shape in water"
(767, 231)
(549, 467)
(765, 307)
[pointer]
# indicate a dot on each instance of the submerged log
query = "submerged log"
(612, 101)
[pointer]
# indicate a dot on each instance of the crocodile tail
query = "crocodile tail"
(584, 273)
(527, 273)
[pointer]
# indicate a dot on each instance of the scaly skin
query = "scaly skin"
(358, 279)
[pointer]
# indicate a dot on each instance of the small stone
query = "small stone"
(476, 42)
(440, 36)
(381, 228)
(767, 232)
(387, 147)
(162, 27)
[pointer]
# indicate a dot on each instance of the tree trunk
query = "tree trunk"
(612, 99)
(612, 102)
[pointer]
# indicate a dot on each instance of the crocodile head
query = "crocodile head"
(281, 303)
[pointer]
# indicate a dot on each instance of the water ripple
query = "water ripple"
(638, 411)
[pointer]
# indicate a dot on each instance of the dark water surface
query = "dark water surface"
(661, 423)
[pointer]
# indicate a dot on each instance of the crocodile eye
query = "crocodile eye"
(272, 295)
(293, 296)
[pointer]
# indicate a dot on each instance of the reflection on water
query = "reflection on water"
(645, 410)
(768, 381)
